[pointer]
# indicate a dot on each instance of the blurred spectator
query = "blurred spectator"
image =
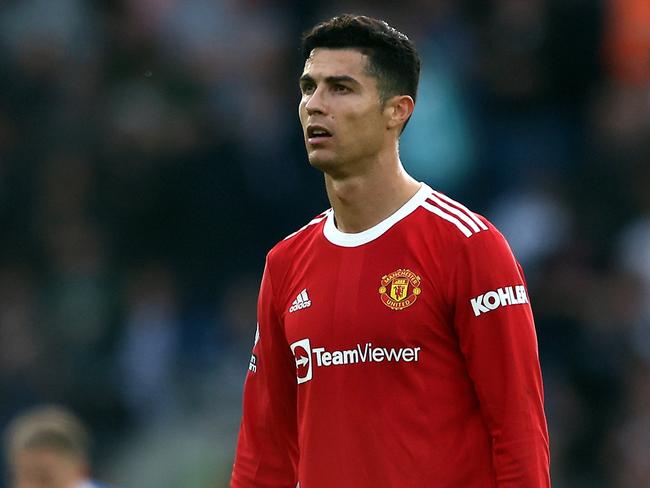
(48, 447)
(632, 438)
(148, 348)
(536, 223)
(436, 146)
(23, 352)
(627, 46)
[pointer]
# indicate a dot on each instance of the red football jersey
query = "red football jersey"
(401, 356)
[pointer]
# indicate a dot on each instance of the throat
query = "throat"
(359, 205)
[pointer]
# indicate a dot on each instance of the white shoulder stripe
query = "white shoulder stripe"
(320, 218)
(456, 212)
(462, 207)
(449, 218)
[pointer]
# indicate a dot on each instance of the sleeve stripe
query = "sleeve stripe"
(462, 207)
(456, 212)
(449, 218)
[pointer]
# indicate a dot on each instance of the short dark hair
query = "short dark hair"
(393, 59)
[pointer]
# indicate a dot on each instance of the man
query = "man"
(47, 447)
(395, 343)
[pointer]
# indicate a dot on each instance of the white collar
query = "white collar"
(344, 239)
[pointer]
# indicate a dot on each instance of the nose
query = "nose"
(315, 103)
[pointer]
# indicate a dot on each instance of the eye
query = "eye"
(338, 88)
(307, 88)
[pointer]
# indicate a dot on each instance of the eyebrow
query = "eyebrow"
(330, 79)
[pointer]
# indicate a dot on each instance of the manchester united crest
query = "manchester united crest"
(400, 289)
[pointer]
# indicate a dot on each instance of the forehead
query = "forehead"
(324, 62)
(38, 456)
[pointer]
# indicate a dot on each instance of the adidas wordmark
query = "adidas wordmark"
(301, 301)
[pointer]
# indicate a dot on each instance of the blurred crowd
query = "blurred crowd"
(150, 155)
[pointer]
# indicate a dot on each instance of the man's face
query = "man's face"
(344, 123)
(45, 468)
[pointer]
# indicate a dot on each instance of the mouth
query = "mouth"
(317, 134)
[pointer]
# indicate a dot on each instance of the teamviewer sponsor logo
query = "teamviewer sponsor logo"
(366, 353)
(302, 352)
(501, 297)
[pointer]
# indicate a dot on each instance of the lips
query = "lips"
(317, 134)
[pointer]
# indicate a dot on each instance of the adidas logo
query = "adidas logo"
(301, 301)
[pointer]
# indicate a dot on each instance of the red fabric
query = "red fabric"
(460, 403)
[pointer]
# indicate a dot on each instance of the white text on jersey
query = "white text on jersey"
(500, 297)
(301, 301)
(366, 353)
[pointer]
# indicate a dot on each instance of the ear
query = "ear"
(398, 110)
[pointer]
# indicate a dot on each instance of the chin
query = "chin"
(321, 161)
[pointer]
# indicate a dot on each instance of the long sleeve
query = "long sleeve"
(267, 449)
(496, 331)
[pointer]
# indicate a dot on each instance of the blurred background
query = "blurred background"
(151, 154)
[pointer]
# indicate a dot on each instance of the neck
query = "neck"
(362, 201)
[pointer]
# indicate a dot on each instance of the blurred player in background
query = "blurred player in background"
(47, 447)
(395, 343)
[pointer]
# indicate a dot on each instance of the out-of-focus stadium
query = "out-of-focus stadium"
(151, 154)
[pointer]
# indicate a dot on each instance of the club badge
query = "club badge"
(400, 289)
